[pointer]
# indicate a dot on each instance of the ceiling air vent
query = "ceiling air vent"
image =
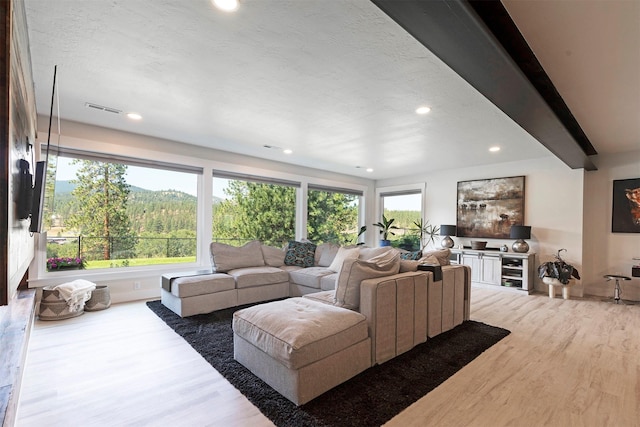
(102, 108)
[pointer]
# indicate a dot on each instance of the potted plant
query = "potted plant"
(385, 229)
(427, 232)
(65, 263)
(557, 272)
(360, 233)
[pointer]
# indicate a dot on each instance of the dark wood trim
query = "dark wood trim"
(497, 19)
(5, 204)
(455, 33)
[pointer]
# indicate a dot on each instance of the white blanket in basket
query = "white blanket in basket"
(76, 293)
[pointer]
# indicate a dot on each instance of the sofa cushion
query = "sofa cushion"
(257, 276)
(301, 254)
(442, 255)
(298, 331)
(368, 253)
(325, 253)
(309, 277)
(189, 286)
(325, 297)
(342, 255)
(355, 271)
(328, 282)
(273, 256)
(409, 265)
(227, 257)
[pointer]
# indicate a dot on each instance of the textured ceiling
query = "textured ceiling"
(337, 82)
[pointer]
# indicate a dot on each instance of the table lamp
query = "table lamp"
(448, 231)
(520, 232)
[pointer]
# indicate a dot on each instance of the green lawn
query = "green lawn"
(113, 263)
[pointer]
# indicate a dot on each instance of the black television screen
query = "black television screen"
(41, 172)
(37, 203)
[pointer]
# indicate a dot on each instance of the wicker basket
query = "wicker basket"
(100, 299)
(52, 307)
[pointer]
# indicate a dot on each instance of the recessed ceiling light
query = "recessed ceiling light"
(423, 110)
(287, 151)
(369, 170)
(134, 116)
(227, 5)
(494, 149)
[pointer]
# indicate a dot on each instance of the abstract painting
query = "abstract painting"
(489, 207)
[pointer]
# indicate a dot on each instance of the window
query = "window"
(332, 215)
(121, 212)
(249, 208)
(405, 208)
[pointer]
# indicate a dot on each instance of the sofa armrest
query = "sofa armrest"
(449, 299)
(396, 311)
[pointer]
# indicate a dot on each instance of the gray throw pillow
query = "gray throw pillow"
(227, 257)
(273, 257)
(354, 271)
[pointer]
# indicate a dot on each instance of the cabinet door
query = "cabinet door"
(491, 270)
(475, 262)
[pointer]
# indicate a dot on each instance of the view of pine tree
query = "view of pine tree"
(49, 190)
(332, 217)
(265, 212)
(100, 210)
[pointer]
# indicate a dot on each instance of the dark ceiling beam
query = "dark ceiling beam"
(456, 33)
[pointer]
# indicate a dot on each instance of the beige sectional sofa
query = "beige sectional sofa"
(350, 308)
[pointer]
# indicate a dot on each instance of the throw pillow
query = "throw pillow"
(442, 255)
(368, 253)
(325, 253)
(301, 254)
(411, 256)
(354, 271)
(273, 257)
(408, 265)
(342, 255)
(227, 257)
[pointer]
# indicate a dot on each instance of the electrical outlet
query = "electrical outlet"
(136, 286)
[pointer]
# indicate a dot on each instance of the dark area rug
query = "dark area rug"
(369, 399)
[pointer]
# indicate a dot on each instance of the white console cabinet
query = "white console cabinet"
(506, 269)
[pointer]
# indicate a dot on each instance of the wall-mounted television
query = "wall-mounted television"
(40, 181)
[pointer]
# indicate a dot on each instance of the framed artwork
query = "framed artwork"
(489, 207)
(625, 211)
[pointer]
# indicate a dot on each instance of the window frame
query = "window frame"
(400, 190)
(38, 264)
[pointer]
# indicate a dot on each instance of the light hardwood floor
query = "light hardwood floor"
(566, 363)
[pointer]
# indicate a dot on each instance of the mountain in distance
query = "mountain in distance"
(66, 187)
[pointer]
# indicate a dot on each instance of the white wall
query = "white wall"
(607, 252)
(553, 205)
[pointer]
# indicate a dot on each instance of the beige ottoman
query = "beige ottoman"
(198, 293)
(300, 347)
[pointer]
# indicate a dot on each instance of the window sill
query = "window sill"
(106, 274)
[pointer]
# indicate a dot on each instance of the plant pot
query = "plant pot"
(385, 242)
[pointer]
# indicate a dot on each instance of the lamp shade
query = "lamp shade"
(447, 230)
(520, 232)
